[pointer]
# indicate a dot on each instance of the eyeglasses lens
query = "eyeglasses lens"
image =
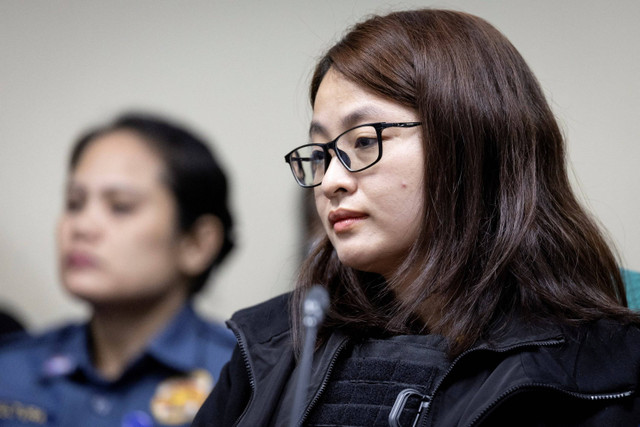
(357, 149)
(307, 164)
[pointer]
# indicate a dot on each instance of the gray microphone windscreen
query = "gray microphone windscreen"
(315, 305)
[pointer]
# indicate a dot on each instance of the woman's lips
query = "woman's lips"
(342, 220)
(80, 260)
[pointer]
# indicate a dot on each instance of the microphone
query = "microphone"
(314, 307)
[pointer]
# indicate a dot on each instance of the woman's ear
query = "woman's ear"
(200, 245)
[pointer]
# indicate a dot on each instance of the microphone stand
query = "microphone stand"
(314, 307)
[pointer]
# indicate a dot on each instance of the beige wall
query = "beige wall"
(237, 71)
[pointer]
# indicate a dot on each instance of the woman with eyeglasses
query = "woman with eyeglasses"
(467, 286)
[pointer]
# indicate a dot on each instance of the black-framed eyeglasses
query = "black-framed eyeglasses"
(357, 149)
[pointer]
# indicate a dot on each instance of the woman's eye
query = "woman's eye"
(122, 208)
(364, 142)
(317, 156)
(73, 205)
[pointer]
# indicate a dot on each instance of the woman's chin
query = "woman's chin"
(91, 291)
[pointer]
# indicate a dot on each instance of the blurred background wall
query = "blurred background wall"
(237, 72)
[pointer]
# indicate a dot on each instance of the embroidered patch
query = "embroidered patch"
(24, 413)
(177, 399)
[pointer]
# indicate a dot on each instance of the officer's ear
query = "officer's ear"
(200, 245)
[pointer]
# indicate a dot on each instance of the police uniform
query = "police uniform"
(49, 380)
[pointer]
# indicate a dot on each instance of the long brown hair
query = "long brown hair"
(503, 234)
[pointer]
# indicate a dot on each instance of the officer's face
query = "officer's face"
(118, 240)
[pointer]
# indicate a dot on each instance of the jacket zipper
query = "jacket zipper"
(547, 343)
(583, 396)
(247, 365)
(325, 381)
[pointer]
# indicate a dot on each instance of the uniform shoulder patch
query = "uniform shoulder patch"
(177, 399)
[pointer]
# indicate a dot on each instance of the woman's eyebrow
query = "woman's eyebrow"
(316, 128)
(109, 189)
(121, 190)
(350, 120)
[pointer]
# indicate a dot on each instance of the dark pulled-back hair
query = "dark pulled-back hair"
(503, 234)
(191, 172)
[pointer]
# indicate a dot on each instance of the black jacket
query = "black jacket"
(562, 376)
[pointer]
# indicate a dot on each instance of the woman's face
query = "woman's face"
(117, 238)
(372, 217)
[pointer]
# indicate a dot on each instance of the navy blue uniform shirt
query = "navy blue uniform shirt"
(49, 380)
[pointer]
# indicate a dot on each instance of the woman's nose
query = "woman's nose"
(85, 223)
(337, 178)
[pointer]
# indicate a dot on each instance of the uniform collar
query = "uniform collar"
(71, 354)
(177, 345)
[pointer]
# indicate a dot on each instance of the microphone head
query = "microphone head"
(314, 306)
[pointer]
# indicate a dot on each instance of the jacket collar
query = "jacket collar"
(516, 333)
(573, 358)
(578, 357)
(260, 323)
